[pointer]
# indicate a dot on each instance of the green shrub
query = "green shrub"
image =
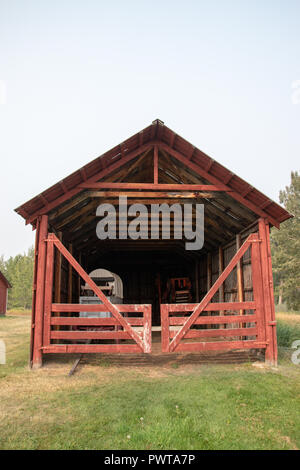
(286, 334)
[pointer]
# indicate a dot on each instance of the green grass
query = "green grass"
(182, 407)
(15, 331)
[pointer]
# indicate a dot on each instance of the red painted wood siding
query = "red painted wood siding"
(3, 297)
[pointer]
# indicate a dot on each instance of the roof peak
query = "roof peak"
(158, 121)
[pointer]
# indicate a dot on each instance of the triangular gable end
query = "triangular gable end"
(172, 146)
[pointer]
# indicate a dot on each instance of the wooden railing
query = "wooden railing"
(175, 315)
(192, 314)
(123, 325)
(97, 329)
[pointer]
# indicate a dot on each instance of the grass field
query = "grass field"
(172, 407)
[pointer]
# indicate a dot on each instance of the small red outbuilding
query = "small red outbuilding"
(4, 286)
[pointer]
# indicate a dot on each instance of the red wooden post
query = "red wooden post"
(197, 295)
(48, 292)
(40, 286)
(147, 328)
(155, 164)
(273, 320)
(57, 278)
(70, 277)
(271, 350)
(239, 273)
(34, 288)
(258, 293)
(221, 269)
(165, 333)
(209, 272)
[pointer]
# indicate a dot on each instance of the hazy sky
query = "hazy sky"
(78, 77)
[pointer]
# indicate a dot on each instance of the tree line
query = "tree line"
(18, 270)
(285, 247)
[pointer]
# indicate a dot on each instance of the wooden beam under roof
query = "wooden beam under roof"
(153, 186)
(152, 194)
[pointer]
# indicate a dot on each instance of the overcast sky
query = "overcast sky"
(78, 77)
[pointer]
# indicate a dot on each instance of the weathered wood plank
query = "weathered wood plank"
(211, 333)
(214, 320)
(94, 321)
(92, 348)
(220, 345)
(97, 307)
(79, 335)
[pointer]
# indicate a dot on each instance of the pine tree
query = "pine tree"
(285, 245)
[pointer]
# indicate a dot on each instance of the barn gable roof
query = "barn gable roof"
(157, 133)
(4, 280)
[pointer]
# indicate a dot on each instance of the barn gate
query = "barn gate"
(181, 324)
(253, 327)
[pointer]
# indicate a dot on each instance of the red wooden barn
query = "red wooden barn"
(4, 286)
(217, 298)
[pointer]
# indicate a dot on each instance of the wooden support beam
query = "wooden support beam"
(197, 280)
(258, 291)
(57, 276)
(36, 250)
(221, 269)
(40, 289)
(271, 284)
(70, 277)
(165, 328)
(152, 186)
(209, 271)
(153, 200)
(78, 276)
(239, 272)
(152, 194)
(48, 294)
(269, 310)
(155, 165)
